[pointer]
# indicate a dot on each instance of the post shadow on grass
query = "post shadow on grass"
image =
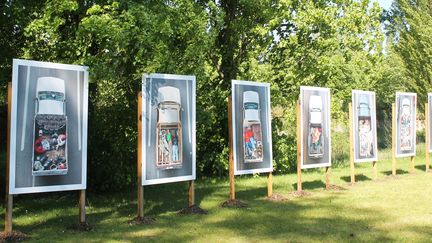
(359, 177)
(420, 167)
(398, 172)
(171, 197)
(310, 185)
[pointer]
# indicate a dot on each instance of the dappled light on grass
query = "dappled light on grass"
(382, 210)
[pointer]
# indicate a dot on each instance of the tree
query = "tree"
(409, 31)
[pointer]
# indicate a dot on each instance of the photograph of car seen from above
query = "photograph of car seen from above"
(315, 138)
(169, 129)
(365, 133)
(406, 125)
(252, 134)
(50, 147)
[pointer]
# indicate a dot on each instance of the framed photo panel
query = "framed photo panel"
(315, 127)
(168, 134)
(429, 120)
(48, 142)
(251, 126)
(406, 104)
(364, 126)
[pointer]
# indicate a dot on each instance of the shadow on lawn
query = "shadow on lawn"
(359, 177)
(322, 218)
(421, 167)
(310, 185)
(398, 172)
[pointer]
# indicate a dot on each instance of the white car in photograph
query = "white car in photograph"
(252, 133)
(315, 137)
(50, 122)
(169, 128)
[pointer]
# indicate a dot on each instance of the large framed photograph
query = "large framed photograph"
(315, 127)
(168, 122)
(251, 127)
(406, 104)
(48, 142)
(364, 126)
(429, 121)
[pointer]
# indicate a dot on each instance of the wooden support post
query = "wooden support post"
(351, 135)
(140, 201)
(82, 210)
(191, 193)
(270, 184)
(394, 139)
(375, 170)
(412, 164)
(427, 137)
(299, 171)
(9, 197)
(328, 175)
(231, 155)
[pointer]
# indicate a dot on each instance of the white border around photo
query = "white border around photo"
(317, 165)
(13, 129)
(374, 122)
(186, 78)
(429, 121)
(401, 155)
(269, 137)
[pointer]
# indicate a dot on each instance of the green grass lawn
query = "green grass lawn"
(389, 209)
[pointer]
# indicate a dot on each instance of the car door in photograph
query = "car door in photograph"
(315, 138)
(252, 134)
(169, 128)
(50, 122)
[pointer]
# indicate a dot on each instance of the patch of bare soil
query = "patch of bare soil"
(335, 188)
(142, 220)
(299, 193)
(14, 236)
(277, 198)
(82, 227)
(194, 209)
(234, 204)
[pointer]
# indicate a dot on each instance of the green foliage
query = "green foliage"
(119, 42)
(409, 28)
(288, 43)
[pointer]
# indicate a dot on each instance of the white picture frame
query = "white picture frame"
(263, 91)
(324, 93)
(412, 99)
(429, 124)
(147, 127)
(82, 114)
(373, 123)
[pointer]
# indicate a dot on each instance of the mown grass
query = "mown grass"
(388, 209)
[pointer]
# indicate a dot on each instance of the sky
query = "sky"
(384, 3)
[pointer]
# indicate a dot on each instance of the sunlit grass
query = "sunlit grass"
(388, 209)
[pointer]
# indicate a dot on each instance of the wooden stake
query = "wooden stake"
(427, 136)
(299, 171)
(412, 164)
(231, 155)
(394, 139)
(375, 170)
(9, 197)
(328, 174)
(82, 210)
(270, 184)
(350, 120)
(191, 193)
(140, 202)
